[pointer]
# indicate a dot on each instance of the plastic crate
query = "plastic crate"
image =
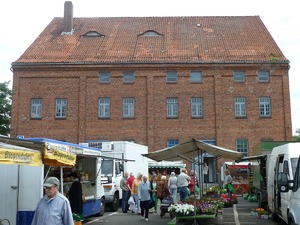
(24, 217)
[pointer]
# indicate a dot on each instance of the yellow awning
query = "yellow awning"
(54, 156)
(10, 154)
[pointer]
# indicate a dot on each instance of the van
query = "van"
(283, 159)
(284, 185)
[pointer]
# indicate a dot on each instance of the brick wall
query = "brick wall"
(150, 126)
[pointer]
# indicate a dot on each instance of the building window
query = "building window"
(196, 77)
(128, 107)
(264, 106)
(196, 107)
(36, 108)
(172, 142)
(104, 108)
(263, 76)
(172, 107)
(239, 76)
(61, 108)
(242, 146)
(104, 77)
(128, 77)
(172, 77)
(240, 106)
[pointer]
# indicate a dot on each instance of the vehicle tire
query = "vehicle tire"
(101, 213)
(291, 221)
(275, 217)
(114, 205)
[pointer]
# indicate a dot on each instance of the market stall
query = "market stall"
(191, 150)
(14, 162)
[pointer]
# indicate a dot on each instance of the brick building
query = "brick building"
(157, 81)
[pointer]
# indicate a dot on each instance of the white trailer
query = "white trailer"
(124, 157)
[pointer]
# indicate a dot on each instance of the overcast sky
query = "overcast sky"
(23, 20)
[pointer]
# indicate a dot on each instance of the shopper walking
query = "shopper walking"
(134, 190)
(228, 184)
(125, 192)
(183, 181)
(144, 197)
(172, 184)
(54, 207)
(153, 185)
(162, 188)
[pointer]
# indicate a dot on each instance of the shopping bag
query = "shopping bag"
(131, 200)
(230, 187)
(151, 202)
(197, 189)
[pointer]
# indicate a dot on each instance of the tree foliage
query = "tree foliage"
(297, 137)
(5, 108)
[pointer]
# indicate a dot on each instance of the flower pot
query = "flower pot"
(264, 217)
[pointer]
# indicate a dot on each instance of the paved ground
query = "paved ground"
(240, 214)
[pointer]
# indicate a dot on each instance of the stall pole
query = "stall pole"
(61, 180)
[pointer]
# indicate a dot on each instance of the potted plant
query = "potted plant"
(263, 214)
(181, 209)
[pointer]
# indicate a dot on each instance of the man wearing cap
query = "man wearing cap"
(53, 208)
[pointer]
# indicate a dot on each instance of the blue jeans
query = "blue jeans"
(125, 198)
(173, 191)
(183, 193)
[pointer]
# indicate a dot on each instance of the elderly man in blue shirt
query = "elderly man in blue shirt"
(53, 208)
(144, 197)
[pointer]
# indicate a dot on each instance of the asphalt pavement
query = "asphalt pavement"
(239, 214)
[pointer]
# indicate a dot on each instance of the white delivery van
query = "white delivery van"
(283, 159)
(125, 156)
(285, 185)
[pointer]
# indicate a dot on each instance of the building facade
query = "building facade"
(157, 81)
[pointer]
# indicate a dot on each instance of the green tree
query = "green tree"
(5, 108)
(297, 137)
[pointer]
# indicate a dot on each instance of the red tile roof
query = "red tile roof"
(182, 40)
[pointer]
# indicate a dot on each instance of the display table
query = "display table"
(197, 217)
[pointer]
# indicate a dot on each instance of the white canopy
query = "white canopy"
(192, 149)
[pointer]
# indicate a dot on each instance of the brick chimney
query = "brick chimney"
(68, 18)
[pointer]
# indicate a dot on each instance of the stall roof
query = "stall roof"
(190, 150)
(166, 164)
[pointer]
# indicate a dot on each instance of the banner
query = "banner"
(20, 157)
(57, 154)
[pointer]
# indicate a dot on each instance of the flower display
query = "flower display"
(182, 209)
(207, 208)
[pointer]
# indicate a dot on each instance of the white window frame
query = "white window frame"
(60, 108)
(104, 77)
(172, 107)
(172, 142)
(196, 76)
(128, 77)
(128, 107)
(36, 108)
(240, 106)
(239, 76)
(263, 76)
(104, 108)
(265, 106)
(242, 146)
(171, 77)
(197, 107)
